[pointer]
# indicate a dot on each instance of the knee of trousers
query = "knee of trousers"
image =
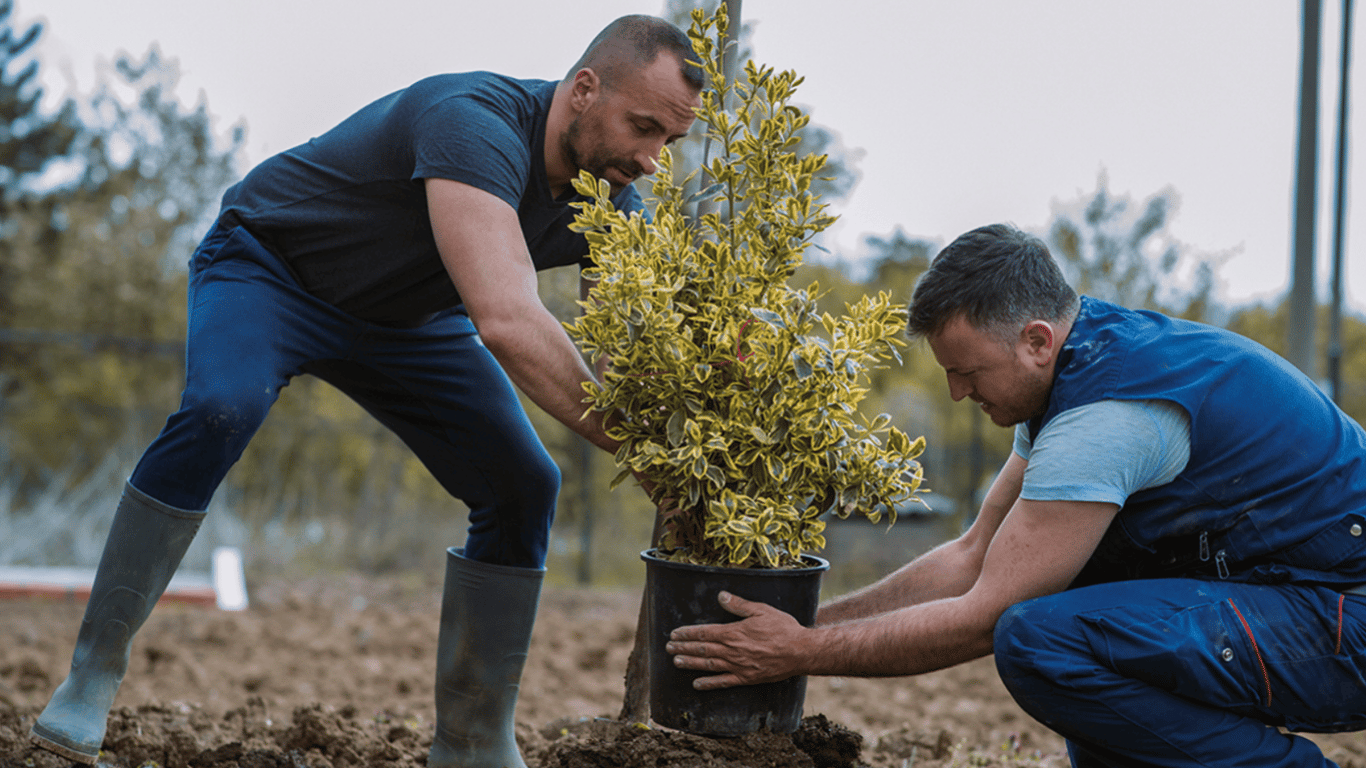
(514, 527)
(1036, 645)
(537, 487)
(533, 483)
(524, 491)
(227, 409)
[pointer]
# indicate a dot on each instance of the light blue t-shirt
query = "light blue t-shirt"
(1105, 451)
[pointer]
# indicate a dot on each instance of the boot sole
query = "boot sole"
(60, 749)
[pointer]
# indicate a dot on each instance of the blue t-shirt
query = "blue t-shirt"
(1105, 451)
(347, 211)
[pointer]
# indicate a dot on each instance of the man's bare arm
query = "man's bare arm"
(948, 570)
(481, 245)
(1038, 549)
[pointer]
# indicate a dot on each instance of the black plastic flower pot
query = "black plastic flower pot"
(681, 594)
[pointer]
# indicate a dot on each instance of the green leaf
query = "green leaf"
(705, 193)
(674, 429)
(772, 318)
(700, 467)
(621, 477)
(769, 554)
(716, 477)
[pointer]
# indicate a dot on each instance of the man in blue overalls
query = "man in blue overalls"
(395, 256)
(1169, 566)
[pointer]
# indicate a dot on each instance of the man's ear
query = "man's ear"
(1037, 342)
(584, 89)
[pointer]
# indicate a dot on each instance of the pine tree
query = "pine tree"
(28, 140)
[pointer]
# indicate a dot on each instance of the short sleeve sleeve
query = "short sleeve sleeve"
(465, 141)
(1107, 450)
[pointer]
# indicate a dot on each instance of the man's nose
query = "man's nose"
(648, 160)
(958, 389)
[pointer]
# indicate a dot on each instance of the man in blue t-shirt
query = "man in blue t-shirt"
(395, 257)
(1170, 568)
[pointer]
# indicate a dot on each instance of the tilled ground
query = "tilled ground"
(336, 672)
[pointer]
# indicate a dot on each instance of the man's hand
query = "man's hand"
(763, 648)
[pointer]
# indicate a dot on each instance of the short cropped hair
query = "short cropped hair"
(997, 277)
(633, 42)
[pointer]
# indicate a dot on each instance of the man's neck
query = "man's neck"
(1063, 329)
(559, 172)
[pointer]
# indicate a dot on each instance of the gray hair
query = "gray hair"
(997, 277)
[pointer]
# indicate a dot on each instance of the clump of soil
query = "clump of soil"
(817, 743)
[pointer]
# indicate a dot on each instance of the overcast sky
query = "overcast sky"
(968, 112)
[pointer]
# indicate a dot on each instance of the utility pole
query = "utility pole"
(1300, 324)
(1340, 212)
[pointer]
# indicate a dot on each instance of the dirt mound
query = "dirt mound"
(185, 736)
(817, 743)
(337, 672)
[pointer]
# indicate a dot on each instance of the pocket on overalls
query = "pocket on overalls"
(1202, 653)
(1331, 689)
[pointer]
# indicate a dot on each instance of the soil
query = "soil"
(336, 672)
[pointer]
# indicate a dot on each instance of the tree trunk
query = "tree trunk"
(635, 705)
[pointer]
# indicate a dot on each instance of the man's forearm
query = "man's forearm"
(910, 641)
(939, 573)
(544, 363)
(948, 570)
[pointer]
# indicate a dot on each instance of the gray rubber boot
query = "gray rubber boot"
(487, 612)
(146, 542)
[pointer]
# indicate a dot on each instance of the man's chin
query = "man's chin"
(1011, 419)
(618, 180)
(1000, 418)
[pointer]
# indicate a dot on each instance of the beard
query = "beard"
(596, 159)
(1031, 401)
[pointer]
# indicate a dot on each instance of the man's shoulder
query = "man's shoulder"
(482, 90)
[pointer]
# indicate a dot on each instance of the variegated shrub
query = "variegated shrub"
(735, 396)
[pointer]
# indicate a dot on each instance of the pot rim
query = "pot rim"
(817, 564)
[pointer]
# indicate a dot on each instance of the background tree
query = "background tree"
(1120, 250)
(29, 140)
(91, 271)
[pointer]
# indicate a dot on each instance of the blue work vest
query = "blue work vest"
(1275, 490)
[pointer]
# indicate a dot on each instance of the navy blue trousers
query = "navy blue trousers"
(1180, 672)
(252, 329)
